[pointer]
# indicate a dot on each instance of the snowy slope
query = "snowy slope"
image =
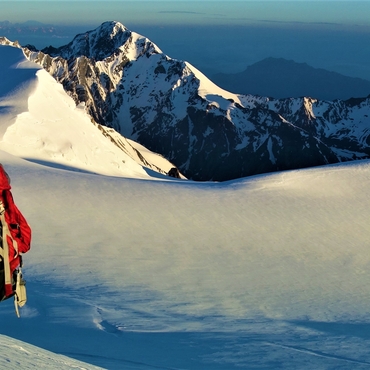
(40, 122)
(124, 273)
(16, 354)
(128, 271)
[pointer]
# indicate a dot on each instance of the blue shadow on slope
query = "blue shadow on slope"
(58, 166)
(73, 322)
(359, 330)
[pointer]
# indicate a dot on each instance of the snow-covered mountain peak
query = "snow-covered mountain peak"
(110, 38)
(169, 106)
(115, 26)
(98, 43)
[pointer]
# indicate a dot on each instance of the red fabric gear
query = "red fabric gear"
(17, 224)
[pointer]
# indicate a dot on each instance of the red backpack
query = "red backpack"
(15, 239)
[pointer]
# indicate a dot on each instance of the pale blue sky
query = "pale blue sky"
(191, 0)
(188, 12)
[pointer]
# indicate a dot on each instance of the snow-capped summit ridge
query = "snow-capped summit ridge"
(110, 38)
(115, 26)
(98, 43)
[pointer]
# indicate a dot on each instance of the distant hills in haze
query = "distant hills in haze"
(29, 27)
(38, 33)
(281, 78)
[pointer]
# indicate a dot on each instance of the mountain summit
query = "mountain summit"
(170, 107)
(97, 44)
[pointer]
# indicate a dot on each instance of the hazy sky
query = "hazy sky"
(219, 35)
(196, 12)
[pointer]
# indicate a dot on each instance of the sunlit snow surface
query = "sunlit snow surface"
(40, 122)
(269, 272)
(15, 354)
(266, 272)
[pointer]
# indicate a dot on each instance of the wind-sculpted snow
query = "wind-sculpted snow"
(268, 272)
(170, 107)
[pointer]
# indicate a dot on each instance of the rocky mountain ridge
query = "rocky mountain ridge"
(170, 107)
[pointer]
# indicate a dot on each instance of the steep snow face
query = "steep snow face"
(173, 109)
(211, 92)
(40, 122)
(16, 84)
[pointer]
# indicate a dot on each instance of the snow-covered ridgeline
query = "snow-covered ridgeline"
(40, 122)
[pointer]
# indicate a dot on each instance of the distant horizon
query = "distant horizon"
(227, 36)
(346, 12)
